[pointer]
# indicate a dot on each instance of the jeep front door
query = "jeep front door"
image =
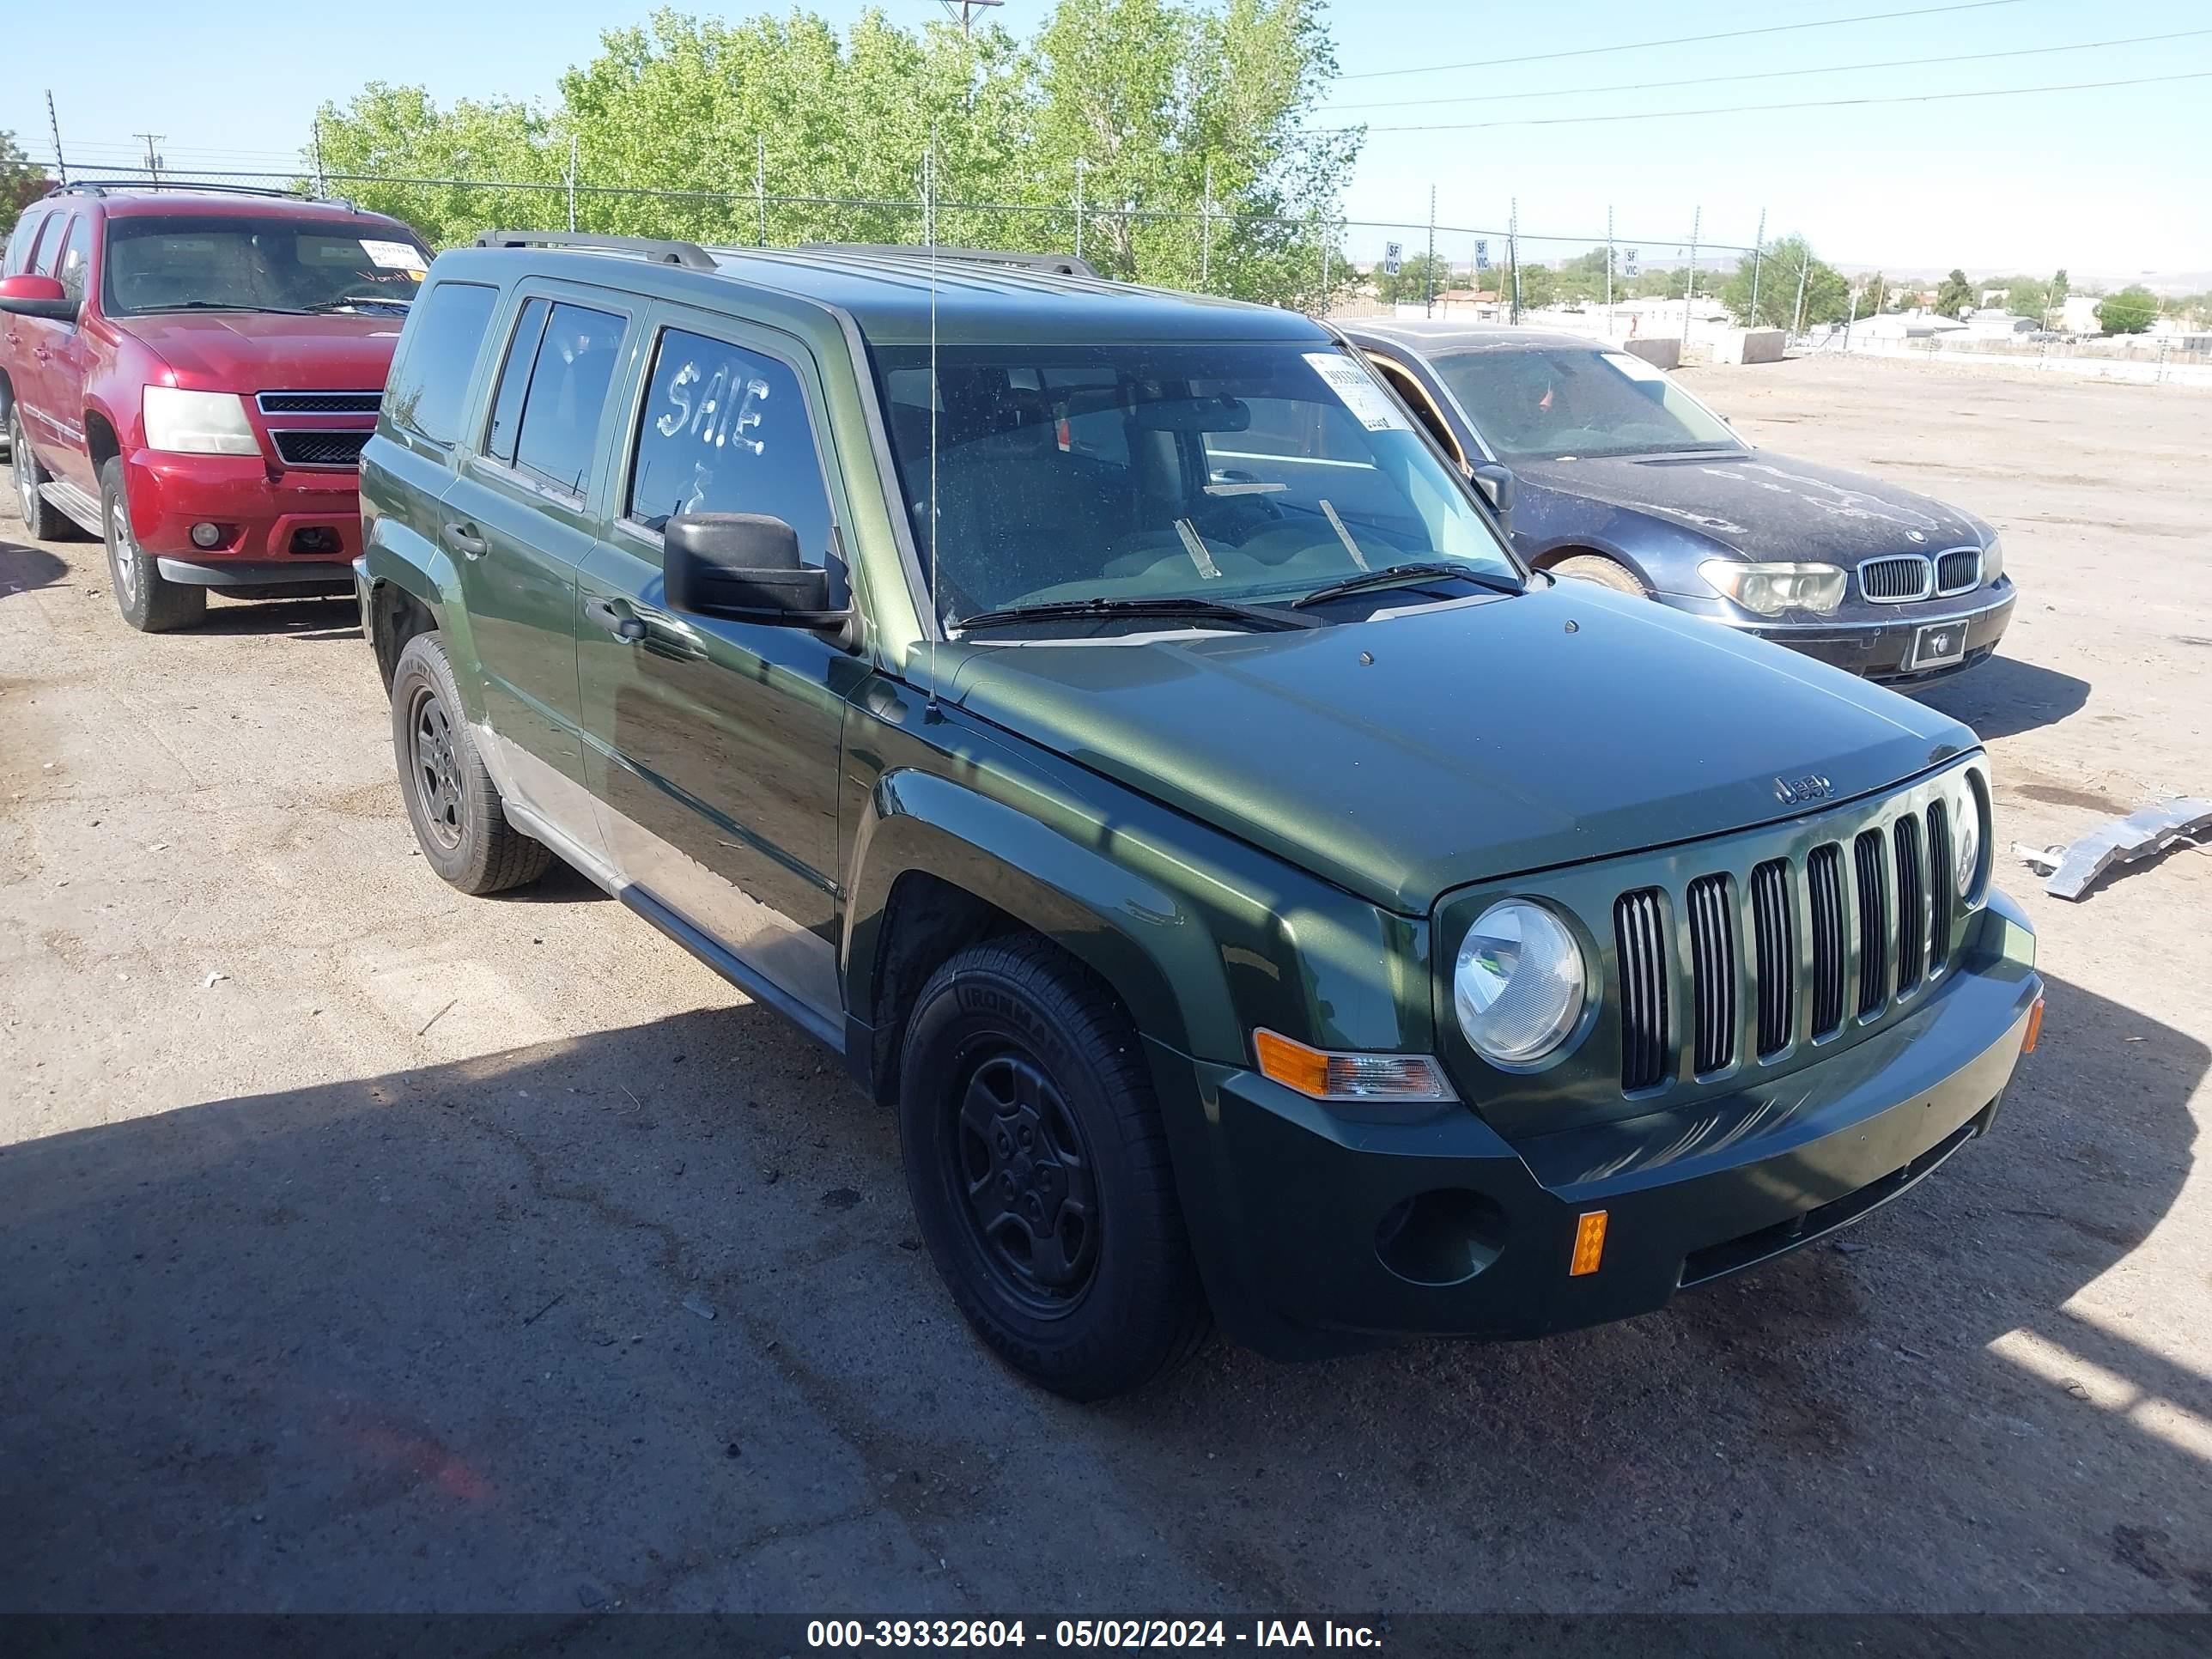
(517, 521)
(714, 745)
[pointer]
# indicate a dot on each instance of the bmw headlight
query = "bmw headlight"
(198, 422)
(1770, 589)
(1517, 987)
(1993, 561)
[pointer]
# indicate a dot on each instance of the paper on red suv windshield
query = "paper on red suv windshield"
(393, 256)
(1369, 405)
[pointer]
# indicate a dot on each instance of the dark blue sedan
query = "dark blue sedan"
(1621, 477)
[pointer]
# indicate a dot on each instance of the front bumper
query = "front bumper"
(280, 525)
(1876, 642)
(1296, 1208)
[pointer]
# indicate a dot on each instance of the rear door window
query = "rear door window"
(48, 260)
(726, 429)
(431, 379)
(20, 245)
(514, 380)
(557, 438)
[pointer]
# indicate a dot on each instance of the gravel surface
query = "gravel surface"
(365, 1246)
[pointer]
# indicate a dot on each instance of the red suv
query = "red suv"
(189, 373)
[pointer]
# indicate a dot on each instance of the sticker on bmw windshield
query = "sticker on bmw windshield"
(1370, 406)
(393, 256)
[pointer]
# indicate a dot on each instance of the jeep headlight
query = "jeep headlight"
(1966, 839)
(1770, 589)
(1517, 987)
(1993, 561)
(198, 422)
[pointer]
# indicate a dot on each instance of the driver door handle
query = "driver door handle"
(464, 539)
(617, 621)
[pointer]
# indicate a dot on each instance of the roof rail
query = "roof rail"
(109, 186)
(658, 250)
(1062, 264)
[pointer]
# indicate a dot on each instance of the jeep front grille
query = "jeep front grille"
(1877, 913)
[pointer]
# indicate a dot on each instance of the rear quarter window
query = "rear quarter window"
(430, 377)
(18, 258)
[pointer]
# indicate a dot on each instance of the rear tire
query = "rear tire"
(149, 601)
(1039, 1171)
(1604, 572)
(452, 802)
(42, 520)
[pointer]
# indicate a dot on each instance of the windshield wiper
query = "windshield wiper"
(1253, 615)
(1401, 575)
(354, 299)
(215, 305)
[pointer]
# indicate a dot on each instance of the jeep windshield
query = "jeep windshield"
(257, 262)
(1558, 404)
(1237, 473)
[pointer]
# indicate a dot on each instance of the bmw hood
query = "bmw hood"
(1404, 756)
(1766, 506)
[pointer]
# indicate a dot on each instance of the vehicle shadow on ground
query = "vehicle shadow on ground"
(645, 1312)
(23, 567)
(337, 618)
(2005, 697)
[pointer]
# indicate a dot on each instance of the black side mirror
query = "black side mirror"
(743, 567)
(1496, 484)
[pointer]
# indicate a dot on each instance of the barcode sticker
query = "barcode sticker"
(1370, 406)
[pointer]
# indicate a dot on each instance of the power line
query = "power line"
(1685, 40)
(1819, 103)
(1769, 75)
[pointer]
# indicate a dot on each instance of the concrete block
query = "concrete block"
(1660, 352)
(1749, 345)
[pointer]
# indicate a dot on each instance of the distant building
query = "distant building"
(2078, 314)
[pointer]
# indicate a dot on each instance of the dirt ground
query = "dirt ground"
(351, 1230)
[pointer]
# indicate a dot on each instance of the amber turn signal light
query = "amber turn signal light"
(1324, 1076)
(2035, 1028)
(1590, 1243)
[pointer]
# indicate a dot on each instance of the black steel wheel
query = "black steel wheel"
(1038, 1166)
(452, 802)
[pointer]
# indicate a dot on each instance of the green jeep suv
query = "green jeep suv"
(1105, 719)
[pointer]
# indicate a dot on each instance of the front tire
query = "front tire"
(1039, 1171)
(1605, 573)
(452, 802)
(42, 520)
(149, 601)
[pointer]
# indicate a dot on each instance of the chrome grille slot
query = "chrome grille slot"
(1911, 908)
(1873, 922)
(1959, 571)
(1897, 578)
(1774, 941)
(1824, 883)
(1941, 889)
(1712, 972)
(1639, 937)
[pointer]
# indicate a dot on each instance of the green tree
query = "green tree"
(1827, 293)
(1413, 281)
(23, 181)
(1954, 294)
(2128, 312)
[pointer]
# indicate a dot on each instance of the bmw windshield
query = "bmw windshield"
(1241, 473)
(1569, 402)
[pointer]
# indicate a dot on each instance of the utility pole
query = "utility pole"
(1850, 322)
(1690, 288)
(1206, 236)
(1608, 268)
(1079, 165)
(153, 161)
(569, 179)
(1797, 316)
(963, 11)
(1757, 256)
(1513, 253)
(54, 126)
(760, 187)
(1429, 269)
(322, 183)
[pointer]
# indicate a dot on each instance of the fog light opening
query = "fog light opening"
(1441, 1237)
(315, 538)
(205, 535)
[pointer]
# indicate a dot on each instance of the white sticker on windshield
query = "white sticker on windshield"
(393, 256)
(1370, 406)
(1632, 366)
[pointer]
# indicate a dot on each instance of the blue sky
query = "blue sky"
(2109, 181)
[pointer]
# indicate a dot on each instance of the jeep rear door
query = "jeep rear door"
(715, 745)
(519, 519)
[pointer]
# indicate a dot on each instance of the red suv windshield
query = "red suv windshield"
(246, 262)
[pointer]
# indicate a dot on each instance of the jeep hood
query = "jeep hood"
(1483, 739)
(1766, 505)
(252, 351)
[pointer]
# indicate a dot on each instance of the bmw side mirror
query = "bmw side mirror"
(744, 567)
(1496, 484)
(38, 296)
